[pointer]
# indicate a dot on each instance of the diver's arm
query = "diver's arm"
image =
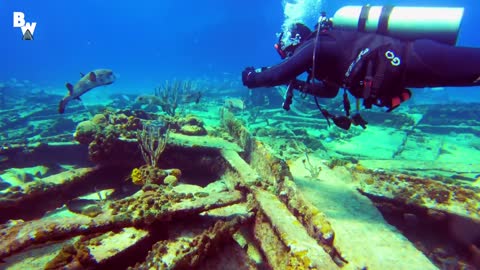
(284, 72)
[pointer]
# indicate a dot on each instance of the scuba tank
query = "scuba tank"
(407, 23)
(440, 24)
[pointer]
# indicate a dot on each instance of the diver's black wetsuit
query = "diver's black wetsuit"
(434, 64)
(424, 63)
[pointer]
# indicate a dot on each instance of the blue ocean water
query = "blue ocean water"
(145, 42)
(149, 41)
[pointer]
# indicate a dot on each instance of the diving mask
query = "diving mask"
(287, 41)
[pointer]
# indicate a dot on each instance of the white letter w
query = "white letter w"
(30, 27)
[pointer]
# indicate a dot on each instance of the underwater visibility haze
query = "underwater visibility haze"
(128, 141)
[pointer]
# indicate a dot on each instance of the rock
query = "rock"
(85, 132)
(85, 207)
(4, 185)
(191, 120)
(193, 130)
(99, 119)
(215, 187)
(170, 180)
(111, 244)
(410, 219)
(60, 125)
(92, 210)
(121, 119)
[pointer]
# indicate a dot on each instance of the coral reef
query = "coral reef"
(172, 93)
(72, 256)
(105, 134)
(314, 170)
(106, 123)
(152, 140)
(189, 125)
(147, 174)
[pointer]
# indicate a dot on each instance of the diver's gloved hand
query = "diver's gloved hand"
(248, 76)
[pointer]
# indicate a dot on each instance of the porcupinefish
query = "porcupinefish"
(149, 100)
(87, 82)
(235, 104)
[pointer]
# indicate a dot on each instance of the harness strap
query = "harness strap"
(382, 27)
(362, 20)
(373, 81)
(378, 77)
(346, 103)
(368, 81)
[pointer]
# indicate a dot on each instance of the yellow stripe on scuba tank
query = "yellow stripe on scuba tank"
(441, 24)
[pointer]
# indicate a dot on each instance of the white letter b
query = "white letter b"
(18, 19)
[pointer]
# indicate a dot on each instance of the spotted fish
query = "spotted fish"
(87, 82)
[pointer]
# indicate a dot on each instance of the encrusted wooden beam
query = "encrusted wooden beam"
(143, 208)
(304, 251)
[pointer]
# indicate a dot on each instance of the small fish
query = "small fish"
(87, 82)
(235, 103)
(192, 97)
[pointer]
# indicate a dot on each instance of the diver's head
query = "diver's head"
(289, 40)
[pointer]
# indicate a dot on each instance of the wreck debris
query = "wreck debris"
(142, 209)
(315, 223)
(72, 256)
(304, 251)
(273, 176)
(290, 231)
(425, 193)
(19, 201)
(93, 251)
(271, 245)
(187, 254)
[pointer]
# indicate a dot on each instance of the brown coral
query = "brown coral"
(85, 132)
(147, 174)
(72, 256)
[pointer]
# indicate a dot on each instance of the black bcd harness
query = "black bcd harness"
(372, 76)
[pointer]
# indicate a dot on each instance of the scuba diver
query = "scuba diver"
(375, 66)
